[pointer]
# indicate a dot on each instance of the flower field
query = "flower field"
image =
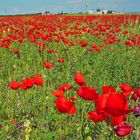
(70, 77)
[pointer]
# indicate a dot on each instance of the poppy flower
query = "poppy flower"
(65, 40)
(83, 44)
(58, 93)
(61, 60)
(91, 49)
(65, 87)
(50, 51)
(137, 91)
(125, 88)
(79, 79)
(13, 122)
(98, 49)
(134, 96)
(119, 107)
(93, 45)
(96, 117)
(87, 93)
(108, 89)
(113, 105)
(116, 121)
(15, 51)
(38, 80)
(48, 65)
(123, 130)
(14, 85)
(27, 83)
(65, 106)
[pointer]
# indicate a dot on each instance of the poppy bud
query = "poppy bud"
(134, 96)
(123, 130)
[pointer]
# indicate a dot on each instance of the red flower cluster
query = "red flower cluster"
(110, 104)
(27, 83)
(63, 105)
(136, 94)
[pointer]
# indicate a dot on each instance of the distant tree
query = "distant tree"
(47, 12)
(79, 12)
(98, 9)
(109, 12)
(62, 13)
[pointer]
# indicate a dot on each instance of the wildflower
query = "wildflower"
(61, 60)
(65, 106)
(15, 51)
(14, 85)
(134, 96)
(48, 65)
(65, 87)
(137, 91)
(87, 93)
(79, 79)
(137, 110)
(83, 44)
(27, 83)
(13, 122)
(58, 93)
(123, 130)
(38, 80)
(125, 88)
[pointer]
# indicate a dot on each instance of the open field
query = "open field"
(70, 77)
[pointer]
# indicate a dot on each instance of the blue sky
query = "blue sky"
(55, 6)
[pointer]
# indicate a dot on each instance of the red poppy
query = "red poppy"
(27, 83)
(83, 44)
(65, 87)
(65, 106)
(123, 130)
(79, 79)
(98, 49)
(87, 93)
(14, 85)
(113, 105)
(50, 51)
(48, 65)
(91, 49)
(137, 91)
(134, 96)
(93, 45)
(96, 117)
(116, 121)
(58, 93)
(61, 60)
(117, 105)
(15, 51)
(13, 122)
(108, 89)
(38, 80)
(125, 88)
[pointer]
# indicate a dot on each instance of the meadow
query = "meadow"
(70, 77)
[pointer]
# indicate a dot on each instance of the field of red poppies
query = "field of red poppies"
(70, 77)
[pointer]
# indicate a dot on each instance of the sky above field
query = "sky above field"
(55, 6)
